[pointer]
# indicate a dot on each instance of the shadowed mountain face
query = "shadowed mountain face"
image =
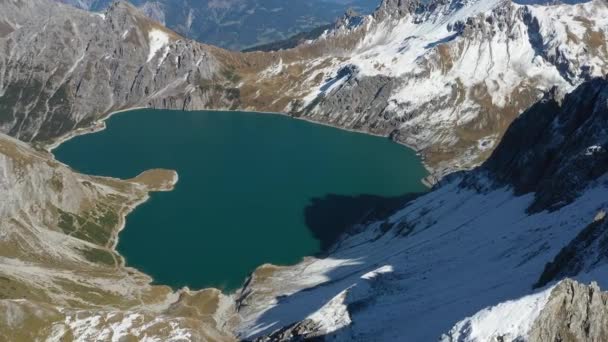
(331, 216)
(569, 147)
(239, 24)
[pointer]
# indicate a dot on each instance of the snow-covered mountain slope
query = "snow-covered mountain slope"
(445, 77)
(475, 241)
(448, 77)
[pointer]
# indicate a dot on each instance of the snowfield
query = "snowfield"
(446, 256)
(157, 41)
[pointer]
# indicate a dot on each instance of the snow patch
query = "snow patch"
(510, 321)
(486, 143)
(373, 274)
(333, 315)
(273, 70)
(157, 40)
(593, 150)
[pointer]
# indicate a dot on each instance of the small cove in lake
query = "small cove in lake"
(252, 188)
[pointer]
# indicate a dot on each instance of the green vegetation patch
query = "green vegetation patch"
(95, 226)
(99, 256)
(231, 75)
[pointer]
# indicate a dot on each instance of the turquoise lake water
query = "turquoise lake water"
(253, 188)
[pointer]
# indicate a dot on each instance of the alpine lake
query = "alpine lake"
(253, 188)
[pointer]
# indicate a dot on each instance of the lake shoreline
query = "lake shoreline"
(122, 164)
(96, 126)
(99, 125)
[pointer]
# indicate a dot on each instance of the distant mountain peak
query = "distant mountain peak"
(401, 8)
(398, 8)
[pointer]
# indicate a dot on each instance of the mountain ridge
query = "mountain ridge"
(422, 90)
(237, 24)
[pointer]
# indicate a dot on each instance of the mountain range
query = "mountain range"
(239, 24)
(506, 102)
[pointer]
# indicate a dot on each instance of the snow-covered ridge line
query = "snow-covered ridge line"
(454, 74)
(509, 321)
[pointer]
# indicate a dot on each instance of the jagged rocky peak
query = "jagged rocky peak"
(424, 10)
(122, 16)
(573, 312)
(121, 8)
(397, 8)
(349, 20)
(569, 311)
(499, 18)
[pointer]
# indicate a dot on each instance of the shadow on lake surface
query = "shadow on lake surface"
(328, 217)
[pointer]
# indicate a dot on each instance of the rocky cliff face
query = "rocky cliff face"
(63, 68)
(569, 147)
(574, 312)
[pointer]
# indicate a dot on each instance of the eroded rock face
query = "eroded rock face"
(64, 68)
(574, 312)
(306, 330)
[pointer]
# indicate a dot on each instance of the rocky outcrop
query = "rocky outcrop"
(306, 330)
(574, 312)
(397, 8)
(570, 311)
